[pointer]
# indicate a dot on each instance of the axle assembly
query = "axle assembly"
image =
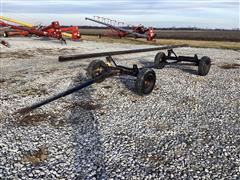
(161, 60)
(145, 77)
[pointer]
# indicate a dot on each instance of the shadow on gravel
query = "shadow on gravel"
(229, 66)
(129, 83)
(185, 67)
(88, 160)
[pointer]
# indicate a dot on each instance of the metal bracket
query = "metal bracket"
(193, 59)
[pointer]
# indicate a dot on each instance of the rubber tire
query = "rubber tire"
(92, 69)
(140, 84)
(5, 34)
(204, 66)
(160, 60)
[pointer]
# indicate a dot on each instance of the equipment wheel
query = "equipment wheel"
(5, 34)
(145, 82)
(95, 69)
(204, 66)
(160, 60)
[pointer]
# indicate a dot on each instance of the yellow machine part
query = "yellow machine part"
(16, 21)
(68, 35)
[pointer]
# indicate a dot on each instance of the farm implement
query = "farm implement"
(54, 30)
(120, 30)
(4, 43)
(98, 70)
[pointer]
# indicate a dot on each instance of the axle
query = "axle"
(173, 56)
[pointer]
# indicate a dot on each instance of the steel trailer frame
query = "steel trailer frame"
(98, 71)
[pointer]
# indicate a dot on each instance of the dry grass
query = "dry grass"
(199, 79)
(186, 101)
(202, 44)
(2, 80)
(191, 43)
(16, 55)
(31, 91)
(159, 126)
(113, 40)
(229, 66)
(155, 159)
(36, 157)
(60, 51)
(35, 119)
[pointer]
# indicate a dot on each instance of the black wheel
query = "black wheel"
(5, 34)
(160, 60)
(204, 66)
(96, 68)
(145, 82)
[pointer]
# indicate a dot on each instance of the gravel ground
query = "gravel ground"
(187, 128)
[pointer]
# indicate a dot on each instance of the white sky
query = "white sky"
(157, 13)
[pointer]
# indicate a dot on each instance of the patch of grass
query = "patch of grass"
(35, 119)
(123, 93)
(202, 44)
(2, 80)
(23, 71)
(199, 79)
(229, 66)
(16, 55)
(237, 79)
(1, 117)
(47, 51)
(155, 158)
(159, 126)
(191, 43)
(186, 101)
(57, 123)
(36, 157)
(32, 92)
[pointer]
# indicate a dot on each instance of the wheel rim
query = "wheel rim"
(149, 83)
(98, 71)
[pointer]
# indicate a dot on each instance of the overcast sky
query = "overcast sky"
(157, 13)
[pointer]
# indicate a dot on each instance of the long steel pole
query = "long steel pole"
(112, 53)
(53, 98)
